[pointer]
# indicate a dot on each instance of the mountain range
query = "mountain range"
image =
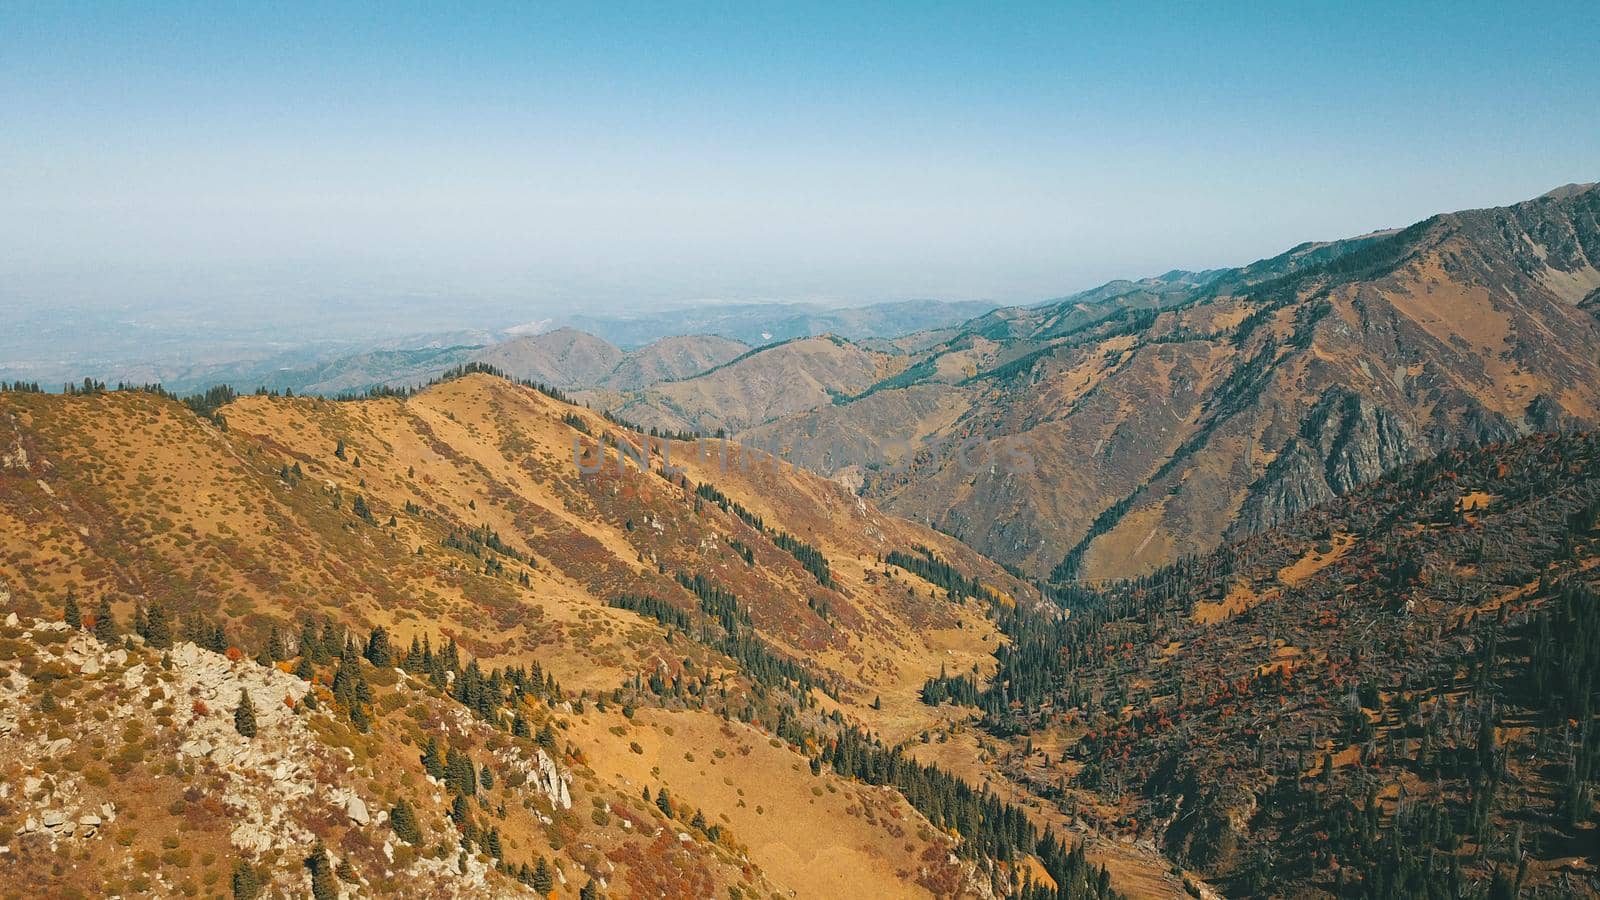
(1271, 581)
(190, 356)
(1154, 418)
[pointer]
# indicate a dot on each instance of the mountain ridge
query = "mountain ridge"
(1478, 308)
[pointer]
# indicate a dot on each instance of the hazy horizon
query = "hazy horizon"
(294, 166)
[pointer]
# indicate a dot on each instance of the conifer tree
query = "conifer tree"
(460, 774)
(323, 884)
(543, 881)
(377, 650)
(71, 614)
(105, 624)
(432, 762)
(246, 881)
(158, 625)
(244, 715)
(308, 640)
(403, 819)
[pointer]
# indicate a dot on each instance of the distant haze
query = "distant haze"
(311, 172)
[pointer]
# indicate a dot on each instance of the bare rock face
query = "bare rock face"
(356, 809)
(543, 773)
(1345, 440)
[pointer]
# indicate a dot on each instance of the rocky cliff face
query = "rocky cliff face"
(1344, 441)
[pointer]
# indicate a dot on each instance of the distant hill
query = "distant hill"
(758, 386)
(562, 358)
(579, 351)
(669, 359)
(765, 323)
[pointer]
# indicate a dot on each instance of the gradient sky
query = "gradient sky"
(518, 158)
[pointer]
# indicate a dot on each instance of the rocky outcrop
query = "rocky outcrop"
(276, 792)
(1344, 441)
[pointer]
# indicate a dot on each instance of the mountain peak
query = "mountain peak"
(1567, 191)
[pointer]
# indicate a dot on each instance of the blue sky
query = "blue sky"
(522, 157)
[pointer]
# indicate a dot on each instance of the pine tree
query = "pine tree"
(360, 718)
(105, 624)
(350, 689)
(590, 891)
(323, 884)
(403, 819)
(71, 614)
(486, 779)
(460, 774)
(244, 715)
(158, 626)
(377, 650)
(308, 640)
(543, 881)
(246, 881)
(432, 762)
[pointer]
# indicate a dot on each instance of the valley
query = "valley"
(1269, 581)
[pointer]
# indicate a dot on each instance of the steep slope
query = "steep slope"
(1104, 446)
(1393, 694)
(723, 632)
